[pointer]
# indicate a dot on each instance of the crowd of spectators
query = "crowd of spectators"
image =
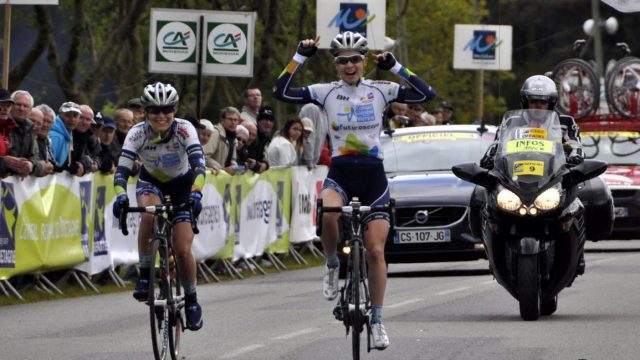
(399, 115)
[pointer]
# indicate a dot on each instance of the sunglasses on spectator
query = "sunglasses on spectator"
(354, 59)
(161, 109)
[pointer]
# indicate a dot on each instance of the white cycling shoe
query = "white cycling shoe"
(330, 283)
(379, 336)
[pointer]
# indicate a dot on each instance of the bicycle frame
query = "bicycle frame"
(165, 300)
(354, 304)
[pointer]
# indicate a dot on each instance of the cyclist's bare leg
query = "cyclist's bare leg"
(375, 238)
(145, 230)
(330, 198)
(183, 237)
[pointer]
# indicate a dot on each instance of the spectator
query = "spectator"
(136, 109)
(42, 127)
(242, 153)
(86, 147)
(61, 136)
(124, 122)
(397, 113)
(285, 148)
(6, 124)
(307, 138)
(204, 133)
(23, 157)
(426, 119)
(446, 111)
(252, 102)
(107, 161)
(220, 152)
(249, 153)
(414, 113)
(317, 142)
(257, 150)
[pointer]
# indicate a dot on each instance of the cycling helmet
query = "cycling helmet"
(349, 41)
(159, 94)
(538, 87)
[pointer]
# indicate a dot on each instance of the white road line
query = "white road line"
(406, 302)
(446, 292)
(295, 334)
(242, 351)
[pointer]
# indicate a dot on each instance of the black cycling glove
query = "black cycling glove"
(387, 63)
(306, 51)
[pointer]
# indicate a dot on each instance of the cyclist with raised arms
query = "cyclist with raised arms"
(354, 108)
(173, 164)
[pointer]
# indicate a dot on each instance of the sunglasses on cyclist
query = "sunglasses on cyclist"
(354, 59)
(161, 109)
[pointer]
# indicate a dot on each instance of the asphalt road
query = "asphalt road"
(433, 311)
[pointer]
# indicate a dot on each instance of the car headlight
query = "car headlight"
(548, 200)
(507, 200)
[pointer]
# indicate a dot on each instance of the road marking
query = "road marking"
(447, 292)
(295, 334)
(242, 351)
(406, 302)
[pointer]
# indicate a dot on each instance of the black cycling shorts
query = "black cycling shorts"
(177, 189)
(362, 177)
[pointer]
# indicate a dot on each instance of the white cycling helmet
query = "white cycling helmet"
(349, 41)
(159, 94)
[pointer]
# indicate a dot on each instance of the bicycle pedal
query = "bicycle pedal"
(337, 313)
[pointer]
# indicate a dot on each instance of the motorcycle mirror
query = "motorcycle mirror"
(473, 173)
(580, 173)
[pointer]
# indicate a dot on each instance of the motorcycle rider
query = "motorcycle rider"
(537, 92)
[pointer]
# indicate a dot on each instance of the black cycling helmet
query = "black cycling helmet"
(539, 87)
(349, 41)
(159, 94)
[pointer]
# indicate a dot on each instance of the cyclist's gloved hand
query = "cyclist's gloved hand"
(306, 51)
(196, 206)
(386, 61)
(122, 201)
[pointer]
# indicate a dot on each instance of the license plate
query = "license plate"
(422, 236)
(621, 212)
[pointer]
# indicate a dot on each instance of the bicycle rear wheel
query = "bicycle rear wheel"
(578, 88)
(354, 304)
(159, 309)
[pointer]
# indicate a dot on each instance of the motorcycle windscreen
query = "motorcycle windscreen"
(530, 148)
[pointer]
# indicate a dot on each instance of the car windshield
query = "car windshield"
(433, 150)
(614, 147)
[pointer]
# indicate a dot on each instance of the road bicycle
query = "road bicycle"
(166, 301)
(354, 303)
(623, 84)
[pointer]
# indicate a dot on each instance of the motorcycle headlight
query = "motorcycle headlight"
(548, 200)
(507, 200)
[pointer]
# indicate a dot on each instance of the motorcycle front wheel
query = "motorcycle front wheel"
(529, 291)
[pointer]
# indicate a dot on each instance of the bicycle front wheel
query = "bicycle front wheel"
(354, 306)
(623, 87)
(159, 309)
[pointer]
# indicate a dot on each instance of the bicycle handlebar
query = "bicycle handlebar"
(157, 209)
(350, 209)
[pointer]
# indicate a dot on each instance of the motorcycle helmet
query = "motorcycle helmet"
(349, 41)
(160, 95)
(539, 87)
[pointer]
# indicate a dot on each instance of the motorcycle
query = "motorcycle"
(533, 223)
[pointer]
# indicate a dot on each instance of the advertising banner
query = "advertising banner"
(214, 223)
(481, 46)
(227, 42)
(306, 186)
(41, 224)
(367, 17)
